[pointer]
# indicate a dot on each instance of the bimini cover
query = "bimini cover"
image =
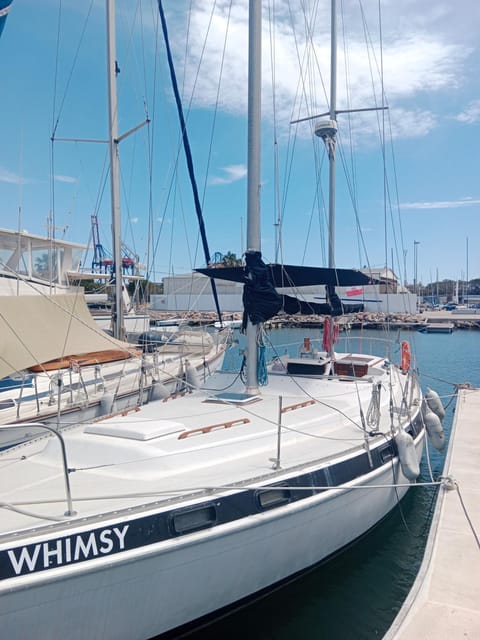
(287, 275)
(261, 300)
(36, 329)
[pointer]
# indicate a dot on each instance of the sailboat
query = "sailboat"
(136, 525)
(63, 367)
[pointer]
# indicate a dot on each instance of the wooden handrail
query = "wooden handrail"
(225, 425)
(299, 405)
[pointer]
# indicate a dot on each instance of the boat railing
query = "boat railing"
(41, 425)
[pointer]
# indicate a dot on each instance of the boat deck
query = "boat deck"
(196, 445)
(444, 601)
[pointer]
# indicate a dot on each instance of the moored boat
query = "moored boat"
(137, 524)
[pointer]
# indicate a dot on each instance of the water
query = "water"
(356, 595)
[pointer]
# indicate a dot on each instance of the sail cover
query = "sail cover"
(4, 9)
(295, 276)
(36, 329)
(261, 300)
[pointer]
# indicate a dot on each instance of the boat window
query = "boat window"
(7, 404)
(269, 498)
(193, 519)
(386, 453)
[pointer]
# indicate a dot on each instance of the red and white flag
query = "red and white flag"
(355, 291)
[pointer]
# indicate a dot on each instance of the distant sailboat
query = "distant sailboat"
(62, 367)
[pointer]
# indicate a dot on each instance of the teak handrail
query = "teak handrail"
(225, 425)
(299, 405)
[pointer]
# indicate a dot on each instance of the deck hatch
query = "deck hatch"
(233, 398)
(146, 430)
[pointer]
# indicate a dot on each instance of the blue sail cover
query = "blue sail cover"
(4, 9)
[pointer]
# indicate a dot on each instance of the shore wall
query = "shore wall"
(366, 320)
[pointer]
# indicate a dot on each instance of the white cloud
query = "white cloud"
(413, 123)
(233, 173)
(471, 114)
(10, 178)
(416, 61)
(441, 204)
(67, 179)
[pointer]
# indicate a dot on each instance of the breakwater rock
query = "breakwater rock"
(366, 320)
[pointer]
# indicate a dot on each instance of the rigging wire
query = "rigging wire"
(192, 94)
(386, 118)
(217, 100)
(309, 59)
(188, 154)
(278, 245)
(56, 116)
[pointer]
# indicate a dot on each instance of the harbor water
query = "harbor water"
(356, 595)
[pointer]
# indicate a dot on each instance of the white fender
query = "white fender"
(434, 402)
(434, 430)
(107, 403)
(158, 391)
(407, 455)
(191, 377)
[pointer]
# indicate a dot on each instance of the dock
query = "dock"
(444, 602)
(437, 327)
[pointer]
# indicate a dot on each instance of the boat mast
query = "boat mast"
(327, 130)
(332, 145)
(117, 313)
(254, 173)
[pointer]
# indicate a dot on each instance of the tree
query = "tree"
(230, 260)
(142, 289)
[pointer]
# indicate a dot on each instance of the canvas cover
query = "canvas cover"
(294, 275)
(36, 329)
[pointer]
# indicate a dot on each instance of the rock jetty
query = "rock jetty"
(366, 320)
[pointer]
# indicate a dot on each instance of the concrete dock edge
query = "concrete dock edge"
(444, 601)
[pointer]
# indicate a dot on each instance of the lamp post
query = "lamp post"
(405, 267)
(415, 267)
(466, 297)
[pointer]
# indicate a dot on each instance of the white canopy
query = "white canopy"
(36, 329)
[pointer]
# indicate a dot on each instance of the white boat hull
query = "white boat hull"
(157, 587)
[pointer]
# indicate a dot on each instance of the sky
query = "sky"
(417, 207)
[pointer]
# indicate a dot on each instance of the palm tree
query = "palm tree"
(230, 260)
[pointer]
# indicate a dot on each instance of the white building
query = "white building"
(193, 292)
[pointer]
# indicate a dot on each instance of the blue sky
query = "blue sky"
(54, 79)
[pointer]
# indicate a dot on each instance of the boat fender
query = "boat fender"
(191, 377)
(158, 391)
(434, 402)
(407, 455)
(434, 430)
(107, 403)
(406, 356)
